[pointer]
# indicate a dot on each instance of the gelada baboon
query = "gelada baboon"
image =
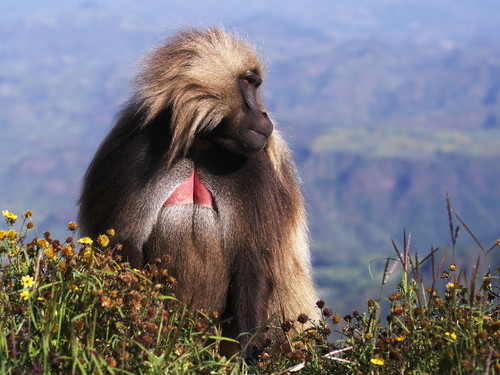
(193, 169)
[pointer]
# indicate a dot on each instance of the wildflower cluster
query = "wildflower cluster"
(449, 327)
(74, 305)
(455, 328)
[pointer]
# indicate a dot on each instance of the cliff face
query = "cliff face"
(357, 201)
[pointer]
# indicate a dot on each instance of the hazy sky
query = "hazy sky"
(458, 20)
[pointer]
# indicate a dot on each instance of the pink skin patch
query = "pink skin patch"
(192, 191)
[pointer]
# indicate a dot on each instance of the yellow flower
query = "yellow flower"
(67, 251)
(10, 216)
(73, 287)
(27, 281)
(87, 253)
(24, 294)
(451, 335)
(103, 240)
(62, 266)
(49, 253)
(28, 214)
(11, 234)
(111, 232)
(42, 243)
(452, 267)
(450, 286)
(86, 241)
(400, 338)
(3, 234)
(377, 361)
(498, 242)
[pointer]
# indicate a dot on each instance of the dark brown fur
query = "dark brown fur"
(248, 258)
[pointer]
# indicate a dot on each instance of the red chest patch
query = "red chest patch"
(191, 191)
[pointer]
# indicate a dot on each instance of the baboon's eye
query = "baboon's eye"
(248, 85)
(250, 78)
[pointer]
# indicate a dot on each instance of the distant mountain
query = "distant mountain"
(375, 83)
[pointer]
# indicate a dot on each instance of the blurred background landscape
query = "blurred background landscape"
(387, 106)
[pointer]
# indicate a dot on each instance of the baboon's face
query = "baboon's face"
(247, 132)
